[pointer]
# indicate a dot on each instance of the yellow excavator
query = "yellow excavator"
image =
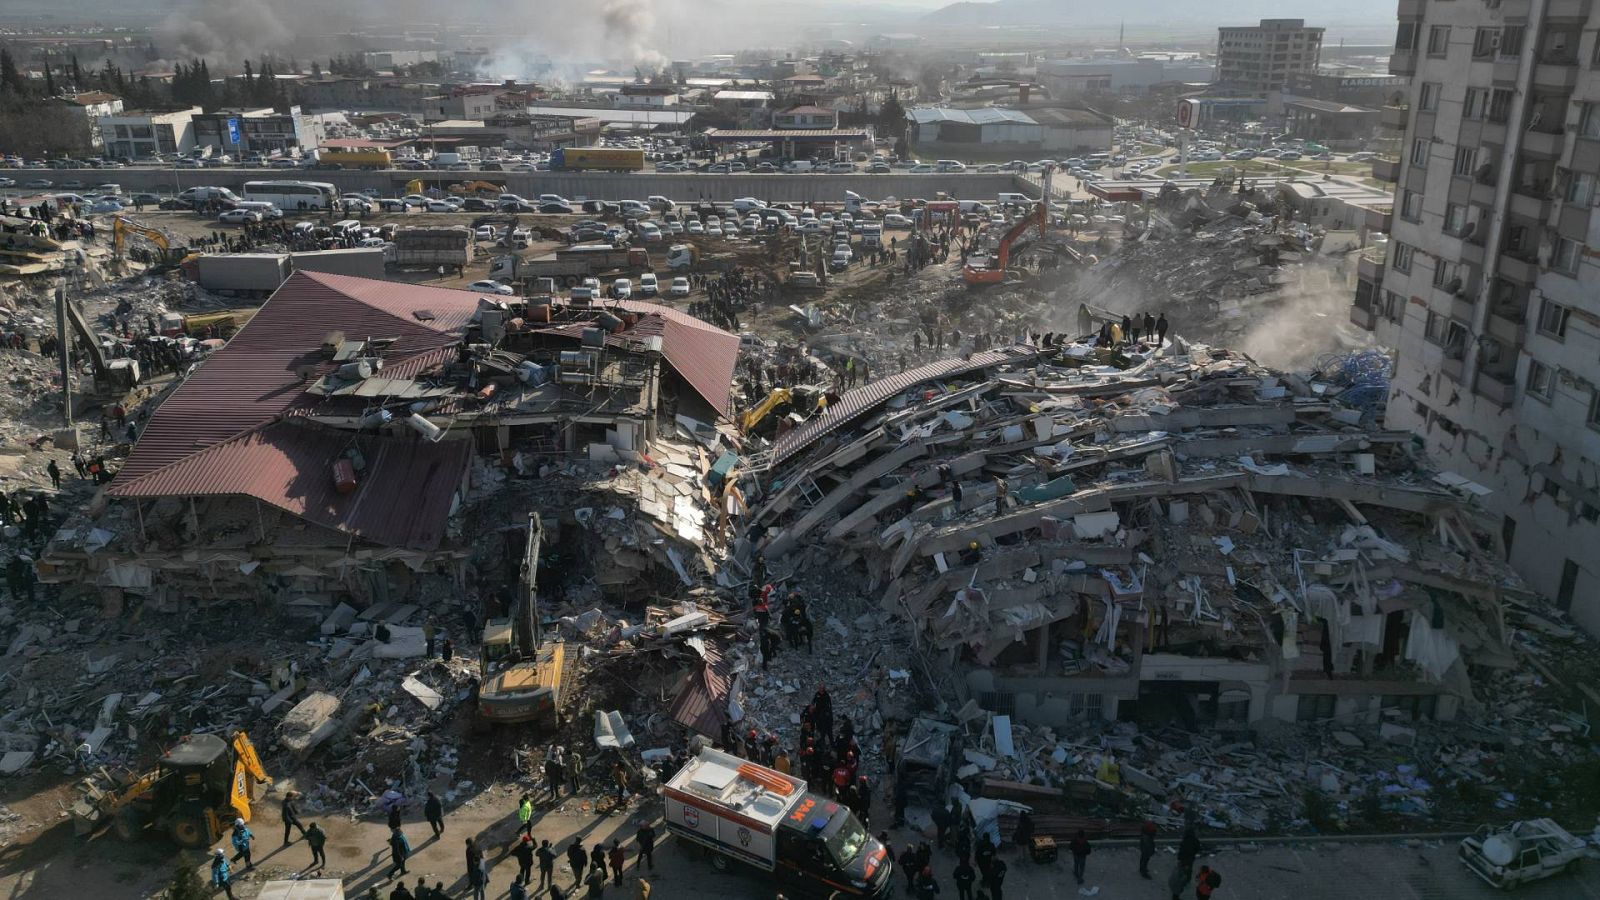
(165, 256)
(194, 793)
(752, 417)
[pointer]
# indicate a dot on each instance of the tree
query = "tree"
(77, 75)
(49, 79)
(891, 116)
(186, 885)
(316, 69)
(10, 78)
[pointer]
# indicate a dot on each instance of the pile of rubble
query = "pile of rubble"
(1063, 528)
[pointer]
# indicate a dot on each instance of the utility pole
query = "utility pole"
(64, 349)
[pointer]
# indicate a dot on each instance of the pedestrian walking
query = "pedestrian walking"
(291, 815)
(55, 473)
(220, 876)
(433, 810)
(399, 851)
(597, 861)
(647, 846)
(517, 892)
(1178, 880)
(525, 815)
(1161, 331)
(964, 876)
(241, 844)
(574, 768)
(927, 887)
(477, 876)
(1147, 848)
(995, 879)
(578, 860)
(1206, 883)
(1188, 850)
(596, 883)
(547, 864)
(617, 860)
(1080, 854)
(523, 852)
(316, 839)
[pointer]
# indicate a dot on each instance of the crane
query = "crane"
(992, 270)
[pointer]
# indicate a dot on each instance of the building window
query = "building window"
(1428, 97)
(1315, 707)
(1411, 205)
(1455, 218)
(1419, 153)
(1402, 257)
(1553, 319)
(1455, 340)
(1485, 42)
(1565, 257)
(1580, 188)
(1393, 306)
(1500, 105)
(1465, 157)
(1417, 706)
(1405, 37)
(1541, 383)
(1438, 40)
(1476, 103)
(1443, 272)
(1433, 328)
(1589, 121)
(1511, 41)
(1594, 422)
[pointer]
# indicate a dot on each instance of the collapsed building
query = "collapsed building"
(321, 453)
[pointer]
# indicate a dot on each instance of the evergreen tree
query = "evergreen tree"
(10, 78)
(77, 75)
(49, 79)
(891, 115)
(249, 90)
(316, 69)
(205, 94)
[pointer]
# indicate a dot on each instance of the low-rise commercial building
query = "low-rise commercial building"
(264, 130)
(139, 133)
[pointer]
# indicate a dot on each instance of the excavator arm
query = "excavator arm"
(1037, 217)
(247, 773)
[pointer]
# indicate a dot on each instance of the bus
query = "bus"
(291, 196)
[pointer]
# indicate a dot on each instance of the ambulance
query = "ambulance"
(747, 813)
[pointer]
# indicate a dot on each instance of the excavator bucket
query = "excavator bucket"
(247, 773)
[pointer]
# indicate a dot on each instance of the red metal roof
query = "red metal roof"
(702, 701)
(702, 353)
(216, 434)
(856, 403)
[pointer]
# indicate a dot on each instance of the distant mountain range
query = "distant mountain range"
(1152, 12)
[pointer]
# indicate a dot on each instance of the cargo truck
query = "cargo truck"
(596, 159)
(243, 274)
(439, 245)
(742, 812)
(571, 265)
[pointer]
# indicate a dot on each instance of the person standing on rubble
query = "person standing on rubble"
(291, 815)
(316, 839)
(241, 844)
(1080, 854)
(433, 810)
(574, 769)
(1001, 489)
(769, 644)
(1161, 331)
(824, 707)
(55, 474)
(554, 772)
(220, 876)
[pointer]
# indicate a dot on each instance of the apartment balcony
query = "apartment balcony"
(1508, 325)
(1403, 62)
(1363, 317)
(1394, 118)
(1532, 202)
(1505, 71)
(1386, 170)
(1556, 76)
(1370, 267)
(1499, 388)
(1520, 269)
(1545, 141)
(1573, 220)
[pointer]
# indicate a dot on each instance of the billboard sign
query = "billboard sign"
(233, 130)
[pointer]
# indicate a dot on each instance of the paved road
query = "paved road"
(55, 865)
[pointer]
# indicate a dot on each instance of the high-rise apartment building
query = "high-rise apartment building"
(1258, 59)
(1490, 288)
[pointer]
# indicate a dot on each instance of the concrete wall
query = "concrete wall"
(602, 186)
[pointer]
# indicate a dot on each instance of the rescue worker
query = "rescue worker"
(220, 876)
(241, 844)
(316, 839)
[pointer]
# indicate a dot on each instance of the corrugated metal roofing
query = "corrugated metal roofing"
(702, 353)
(984, 115)
(256, 379)
(854, 404)
(702, 701)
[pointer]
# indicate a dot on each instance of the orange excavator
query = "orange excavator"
(992, 269)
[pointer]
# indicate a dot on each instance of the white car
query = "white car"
(439, 206)
(695, 227)
(622, 288)
(714, 230)
(648, 286)
(484, 233)
(649, 232)
(490, 286)
(238, 216)
(680, 287)
(414, 200)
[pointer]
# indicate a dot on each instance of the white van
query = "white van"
(1008, 199)
(348, 226)
(795, 166)
(745, 204)
(950, 165)
(265, 210)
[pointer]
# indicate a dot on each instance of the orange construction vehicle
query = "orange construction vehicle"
(992, 269)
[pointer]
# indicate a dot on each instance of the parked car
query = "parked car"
(556, 209)
(622, 288)
(238, 216)
(680, 287)
(648, 285)
(490, 286)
